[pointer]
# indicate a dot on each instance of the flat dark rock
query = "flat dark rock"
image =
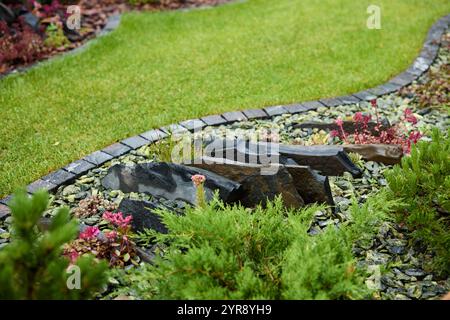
(143, 215)
(258, 187)
(349, 126)
(170, 181)
(328, 160)
(312, 187)
(384, 153)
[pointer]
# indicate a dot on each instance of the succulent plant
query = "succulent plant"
(92, 206)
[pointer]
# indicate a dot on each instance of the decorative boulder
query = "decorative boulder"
(258, 187)
(384, 153)
(143, 215)
(328, 160)
(170, 181)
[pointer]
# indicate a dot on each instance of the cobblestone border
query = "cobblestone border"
(77, 168)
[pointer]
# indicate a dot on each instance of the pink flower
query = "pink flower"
(89, 233)
(198, 179)
(409, 116)
(334, 133)
(112, 235)
(340, 124)
(358, 117)
(117, 219)
(73, 256)
(366, 119)
(414, 137)
(373, 102)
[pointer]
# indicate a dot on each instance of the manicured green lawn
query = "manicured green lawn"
(161, 68)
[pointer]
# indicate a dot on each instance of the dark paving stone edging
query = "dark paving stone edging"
(77, 168)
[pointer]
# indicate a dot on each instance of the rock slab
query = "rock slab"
(143, 215)
(170, 181)
(258, 187)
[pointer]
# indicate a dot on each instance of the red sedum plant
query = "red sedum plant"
(21, 46)
(114, 245)
(397, 134)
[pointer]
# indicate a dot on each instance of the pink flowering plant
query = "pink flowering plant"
(398, 134)
(119, 238)
(198, 180)
(86, 243)
(115, 246)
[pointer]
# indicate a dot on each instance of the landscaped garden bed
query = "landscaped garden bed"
(338, 198)
(32, 31)
(335, 225)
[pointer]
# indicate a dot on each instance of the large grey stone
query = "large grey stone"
(98, 157)
(59, 177)
(387, 154)
(328, 160)
(40, 185)
(275, 110)
(143, 215)
(116, 149)
(312, 187)
(234, 116)
(170, 181)
(213, 120)
(257, 187)
(79, 167)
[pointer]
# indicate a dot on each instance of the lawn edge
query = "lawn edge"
(72, 171)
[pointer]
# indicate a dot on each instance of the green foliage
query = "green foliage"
(357, 159)
(229, 252)
(32, 267)
(162, 149)
(144, 238)
(55, 37)
(423, 182)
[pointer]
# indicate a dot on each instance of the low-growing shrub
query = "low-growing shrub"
(55, 37)
(20, 46)
(422, 180)
(230, 252)
(32, 265)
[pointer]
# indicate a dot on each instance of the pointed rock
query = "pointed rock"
(312, 187)
(260, 183)
(143, 215)
(328, 160)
